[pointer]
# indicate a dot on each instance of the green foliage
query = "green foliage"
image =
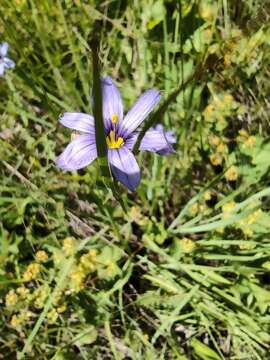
(181, 269)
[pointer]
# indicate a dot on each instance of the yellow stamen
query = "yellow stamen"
(114, 118)
(113, 143)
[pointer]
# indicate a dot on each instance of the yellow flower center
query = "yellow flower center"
(112, 142)
(114, 118)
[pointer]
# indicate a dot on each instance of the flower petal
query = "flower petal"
(4, 49)
(10, 64)
(124, 167)
(139, 111)
(112, 102)
(156, 141)
(2, 69)
(79, 153)
(78, 121)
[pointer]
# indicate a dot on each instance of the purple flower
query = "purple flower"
(5, 62)
(121, 135)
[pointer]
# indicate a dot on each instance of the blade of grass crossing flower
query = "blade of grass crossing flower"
(99, 125)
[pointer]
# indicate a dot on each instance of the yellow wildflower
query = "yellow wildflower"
(146, 337)
(52, 316)
(247, 231)
(252, 218)
(243, 132)
(11, 298)
(232, 173)
(243, 135)
(77, 278)
(22, 291)
(208, 111)
(193, 210)
(228, 99)
(187, 245)
(41, 295)
(227, 209)
(215, 140)
(250, 141)
(135, 214)
(207, 195)
(221, 148)
(31, 272)
(41, 256)
(62, 308)
(15, 321)
(58, 295)
(215, 159)
(88, 261)
(68, 245)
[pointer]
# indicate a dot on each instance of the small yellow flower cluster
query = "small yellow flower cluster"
(40, 295)
(207, 11)
(208, 111)
(247, 140)
(62, 308)
(195, 209)
(220, 107)
(15, 321)
(87, 264)
(216, 159)
(52, 316)
(88, 261)
(227, 209)
(41, 256)
(232, 173)
(249, 220)
(77, 277)
(214, 140)
(31, 272)
(207, 195)
(135, 214)
(23, 292)
(251, 141)
(11, 298)
(69, 245)
(187, 245)
(220, 149)
(18, 319)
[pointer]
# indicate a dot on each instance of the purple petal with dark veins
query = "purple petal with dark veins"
(10, 64)
(112, 102)
(156, 141)
(139, 111)
(78, 121)
(79, 153)
(124, 167)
